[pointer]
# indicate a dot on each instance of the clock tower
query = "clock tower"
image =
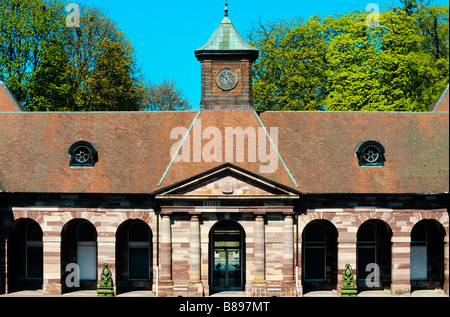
(226, 69)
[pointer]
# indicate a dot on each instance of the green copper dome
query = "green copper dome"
(226, 38)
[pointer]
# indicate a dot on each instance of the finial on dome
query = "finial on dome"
(226, 8)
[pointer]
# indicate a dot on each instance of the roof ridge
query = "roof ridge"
(276, 149)
(438, 101)
(178, 149)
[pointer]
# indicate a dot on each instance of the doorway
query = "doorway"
(427, 255)
(79, 246)
(227, 257)
(374, 255)
(319, 256)
(133, 256)
(25, 255)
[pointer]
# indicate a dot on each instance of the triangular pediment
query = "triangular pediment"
(227, 181)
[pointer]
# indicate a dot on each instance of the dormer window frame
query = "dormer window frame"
(83, 154)
(370, 153)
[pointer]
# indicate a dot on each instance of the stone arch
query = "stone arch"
(440, 216)
(304, 220)
(144, 216)
(36, 215)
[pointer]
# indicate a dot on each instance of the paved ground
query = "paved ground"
(93, 293)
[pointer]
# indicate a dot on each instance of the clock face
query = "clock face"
(226, 79)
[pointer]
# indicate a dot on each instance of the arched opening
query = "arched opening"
(427, 255)
(78, 254)
(319, 256)
(25, 256)
(226, 257)
(373, 259)
(133, 256)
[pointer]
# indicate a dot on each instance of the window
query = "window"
(139, 251)
(34, 251)
(427, 255)
(83, 154)
(370, 153)
(87, 251)
(374, 255)
(418, 252)
(314, 253)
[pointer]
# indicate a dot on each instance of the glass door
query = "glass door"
(227, 270)
(227, 259)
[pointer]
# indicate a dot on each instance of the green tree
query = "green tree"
(164, 96)
(110, 84)
(341, 63)
(51, 87)
(51, 67)
(26, 27)
(288, 74)
(351, 71)
(101, 57)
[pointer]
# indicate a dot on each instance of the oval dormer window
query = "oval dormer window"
(83, 154)
(370, 153)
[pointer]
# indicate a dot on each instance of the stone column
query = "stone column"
(346, 255)
(195, 255)
(52, 264)
(288, 251)
(298, 272)
(259, 254)
(400, 265)
(165, 256)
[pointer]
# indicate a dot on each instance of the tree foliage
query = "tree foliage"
(165, 96)
(26, 28)
(52, 67)
(340, 63)
(51, 86)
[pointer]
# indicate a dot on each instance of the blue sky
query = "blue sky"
(165, 34)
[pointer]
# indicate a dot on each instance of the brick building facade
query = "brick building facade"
(283, 203)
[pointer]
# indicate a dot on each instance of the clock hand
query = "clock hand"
(226, 79)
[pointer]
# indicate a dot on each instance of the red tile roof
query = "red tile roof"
(319, 149)
(8, 103)
(442, 103)
(134, 150)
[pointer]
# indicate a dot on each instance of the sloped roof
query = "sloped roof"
(224, 119)
(8, 103)
(133, 150)
(442, 102)
(226, 38)
(318, 149)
